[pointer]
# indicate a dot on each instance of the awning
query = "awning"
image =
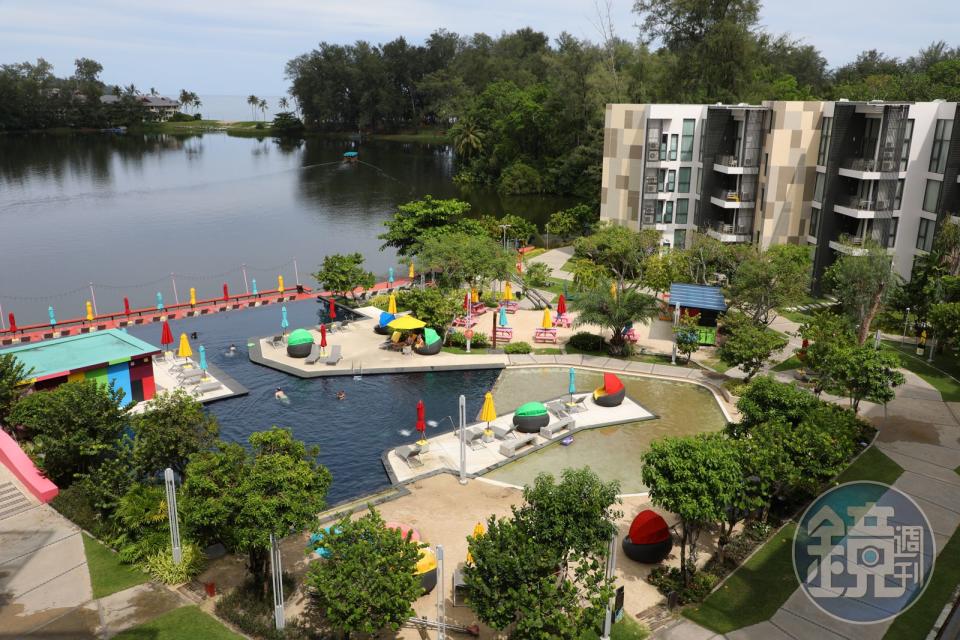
(697, 296)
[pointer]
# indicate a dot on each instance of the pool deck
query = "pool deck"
(166, 380)
(444, 450)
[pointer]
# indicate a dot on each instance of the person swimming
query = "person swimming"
(341, 395)
(280, 395)
(193, 336)
(232, 351)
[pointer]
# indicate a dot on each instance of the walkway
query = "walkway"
(555, 259)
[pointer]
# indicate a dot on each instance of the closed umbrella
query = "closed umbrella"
(53, 318)
(410, 274)
(166, 336)
(547, 320)
(193, 296)
(390, 277)
(508, 291)
(573, 383)
(562, 305)
(613, 290)
(203, 358)
(280, 284)
(254, 283)
(503, 316)
(184, 350)
(421, 421)
(226, 292)
(13, 321)
(159, 301)
(474, 297)
(488, 413)
(284, 323)
(126, 306)
(333, 309)
(89, 311)
(478, 530)
(323, 337)
(392, 304)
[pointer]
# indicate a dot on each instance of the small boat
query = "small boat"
(351, 156)
(567, 441)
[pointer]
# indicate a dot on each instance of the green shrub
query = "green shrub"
(160, 565)
(586, 341)
(520, 178)
(179, 116)
(75, 504)
(518, 347)
(536, 274)
(491, 299)
(459, 340)
(252, 613)
(669, 580)
(381, 302)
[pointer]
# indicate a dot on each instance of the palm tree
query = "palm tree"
(253, 101)
(598, 306)
(263, 109)
(153, 91)
(283, 104)
(195, 101)
(185, 98)
(467, 138)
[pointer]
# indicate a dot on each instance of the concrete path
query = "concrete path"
(555, 259)
(789, 328)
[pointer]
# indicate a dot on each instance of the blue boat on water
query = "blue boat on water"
(351, 156)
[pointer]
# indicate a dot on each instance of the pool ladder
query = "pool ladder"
(357, 373)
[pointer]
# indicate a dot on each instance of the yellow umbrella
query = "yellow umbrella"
(392, 305)
(547, 320)
(184, 351)
(406, 323)
(410, 274)
(488, 413)
(89, 311)
(507, 291)
(193, 296)
(280, 284)
(613, 290)
(474, 298)
(478, 531)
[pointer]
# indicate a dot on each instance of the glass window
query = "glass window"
(814, 221)
(941, 141)
(826, 131)
(905, 150)
(663, 146)
(671, 179)
(892, 233)
(679, 239)
(898, 198)
(818, 189)
(683, 206)
(686, 145)
(703, 131)
(674, 138)
(931, 196)
(766, 160)
(683, 180)
(925, 234)
(668, 213)
(659, 217)
(699, 179)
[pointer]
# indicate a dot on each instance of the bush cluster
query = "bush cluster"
(669, 580)
(586, 341)
(458, 339)
(518, 348)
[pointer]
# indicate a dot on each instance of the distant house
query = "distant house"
(161, 106)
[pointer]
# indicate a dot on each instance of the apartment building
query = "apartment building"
(828, 174)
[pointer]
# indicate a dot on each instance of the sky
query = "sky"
(239, 47)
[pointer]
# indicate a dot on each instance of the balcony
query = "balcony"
(730, 165)
(726, 232)
(863, 208)
(851, 245)
(733, 199)
(867, 168)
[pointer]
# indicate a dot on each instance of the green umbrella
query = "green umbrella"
(430, 336)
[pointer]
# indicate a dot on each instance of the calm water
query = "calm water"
(124, 212)
(613, 452)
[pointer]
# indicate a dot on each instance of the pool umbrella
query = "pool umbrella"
(488, 413)
(193, 296)
(159, 301)
(284, 323)
(474, 298)
(89, 311)
(561, 305)
(466, 301)
(323, 337)
(333, 309)
(547, 320)
(184, 350)
(421, 421)
(508, 291)
(410, 274)
(392, 304)
(280, 284)
(254, 283)
(126, 306)
(406, 323)
(503, 316)
(203, 358)
(226, 292)
(390, 277)
(53, 318)
(13, 321)
(573, 383)
(166, 336)
(478, 530)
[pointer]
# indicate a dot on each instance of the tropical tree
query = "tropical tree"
(367, 582)
(825, 334)
(864, 373)
(778, 277)
(747, 344)
(862, 283)
(196, 102)
(432, 305)
(621, 252)
(405, 230)
(254, 102)
(13, 374)
(944, 318)
(599, 306)
(467, 138)
(262, 106)
(283, 104)
(344, 274)
(173, 427)
(765, 400)
(520, 230)
(687, 336)
(458, 257)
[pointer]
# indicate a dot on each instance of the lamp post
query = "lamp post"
(277, 572)
(611, 568)
(441, 613)
(676, 321)
(906, 320)
(463, 439)
(933, 346)
(504, 227)
(172, 514)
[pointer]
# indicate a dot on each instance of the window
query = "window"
(661, 180)
(703, 131)
(766, 160)
(814, 221)
(679, 239)
(905, 150)
(931, 196)
(683, 206)
(683, 180)
(892, 232)
(696, 211)
(818, 189)
(663, 146)
(826, 132)
(686, 145)
(668, 213)
(671, 179)
(674, 138)
(898, 198)
(925, 234)
(659, 217)
(941, 141)
(699, 180)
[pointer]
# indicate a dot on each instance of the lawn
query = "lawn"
(793, 362)
(796, 316)
(107, 574)
(872, 465)
(943, 374)
(626, 629)
(716, 364)
(185, 623)
(755, 591)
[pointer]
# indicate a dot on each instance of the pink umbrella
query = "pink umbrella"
(13, 322)
(166, 336)
(126, 306)
(561, 305)
(333, 309)
(421, 419)
(323, 336)
(226, 292)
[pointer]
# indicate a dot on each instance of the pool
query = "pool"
(612, 452)
(378, 413)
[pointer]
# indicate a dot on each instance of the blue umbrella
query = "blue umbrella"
(503, 316)
(203, 358)
(573, 383)
(53, 318)
(159, 301)
(254, 286)
(385, 318)
(390, 276)
(283, 318)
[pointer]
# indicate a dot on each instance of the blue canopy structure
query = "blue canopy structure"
(697, 296)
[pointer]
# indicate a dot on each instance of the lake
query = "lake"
(126, 211)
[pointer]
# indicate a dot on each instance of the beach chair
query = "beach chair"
(474, 437)
(335, 355)
(503, 431)
(410, 454)
(509, 448)
(191, 375)
(314, 354)
(206, 387)
(276, 341)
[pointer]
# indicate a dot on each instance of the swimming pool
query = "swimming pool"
(612, 452)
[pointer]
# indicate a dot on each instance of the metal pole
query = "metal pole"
(676, 321)
(933, 346)
(463, 439)
(93, 299)
(246, 285)
(906, 321)
(296, 272)
(493, 330)
(3, 323)
(611, 569)
(172, 514)
(277, 582)
(876, 339)
(176, 298)
(441, 613)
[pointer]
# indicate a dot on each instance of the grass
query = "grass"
(533, 253)
(107, 574)
(185, 623)
(943, 374)
(548, 351)
(716, 364)
(462, 352)
(793, 362)
(626, 629)
(755, 591)
(872, 465)
(796, 316)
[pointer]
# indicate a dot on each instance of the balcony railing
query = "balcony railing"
(734, 195)
(726, 228)
(728, 161)
(868, 164)
(864, 204)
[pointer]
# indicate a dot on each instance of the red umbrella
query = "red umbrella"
(166, 336)
(466, 301)
(13, 321)
(323, 336)
(333, 309)
(126, 306)
(226, 292)
(421, 418)
(562, 305)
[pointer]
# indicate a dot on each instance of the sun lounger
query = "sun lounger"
(555, 427)
(205, 387)
(509, 448)
(335, 355)
(474, 436)
(191, 374)
(314, 354)
(276, 341)
(409, 453)
(503, 431)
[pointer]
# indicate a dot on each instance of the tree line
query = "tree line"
(526, 114)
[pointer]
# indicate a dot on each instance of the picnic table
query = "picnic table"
(511, 305)
(545, 335)
(461, 321)
(504, 334)
(478, 309)
(563, 320)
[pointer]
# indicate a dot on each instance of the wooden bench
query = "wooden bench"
(552, 429)
(509, 448)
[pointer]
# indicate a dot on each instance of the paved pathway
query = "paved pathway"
(555, 259)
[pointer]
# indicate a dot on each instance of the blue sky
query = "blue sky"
(241, 46)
